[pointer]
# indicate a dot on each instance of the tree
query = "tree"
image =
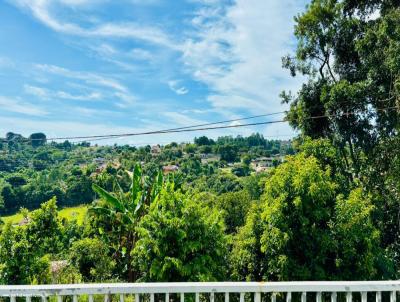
(357, 239)
(307, 227)
(37, 139)
(355, 86)
(247, 261)
(228, 153)
(44, 229)
(120, 213)
(180, 241)
(233, 207)
(91, 257)
(203, 141)
(297, 207)
(349, 53)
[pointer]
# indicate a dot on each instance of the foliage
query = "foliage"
(357, 238)
(124, 210)
(330, 211)
(304, 230)
(180, 241)
(91, 257)
(247, 260)
(297, 207)
(233, 207)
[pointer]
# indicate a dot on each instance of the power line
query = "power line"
(195, 128)
(200, 127)
(170, 129)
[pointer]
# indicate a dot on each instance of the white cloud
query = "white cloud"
(238, 51)
(85, 97)
(182, 119)
(120, 91)
(80, 3)
(140, 54)
(41, 10)
(88, 77)
(37, 91)
(44, 93)
(18, 106)
(178, 89)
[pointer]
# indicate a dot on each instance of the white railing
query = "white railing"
(318, 291)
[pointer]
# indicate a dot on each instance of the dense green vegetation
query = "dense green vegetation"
(328, 211)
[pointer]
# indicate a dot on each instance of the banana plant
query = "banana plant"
(123, 210)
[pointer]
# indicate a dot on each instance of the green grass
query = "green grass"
(77, 213)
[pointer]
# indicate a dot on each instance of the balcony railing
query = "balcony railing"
(348, 291)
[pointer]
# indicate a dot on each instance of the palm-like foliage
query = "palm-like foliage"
(123, 210)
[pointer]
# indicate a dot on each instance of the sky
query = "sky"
(94, 67)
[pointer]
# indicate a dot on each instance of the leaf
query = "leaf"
(109, 198)
(136, 177)
(100, 210)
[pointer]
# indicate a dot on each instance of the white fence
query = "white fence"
(208, 291)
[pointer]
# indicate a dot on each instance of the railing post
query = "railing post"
(364, 297)
(288, 297)
(241, 297)
(12, 299)
(349, 296)
(121, 298)
(167, 297)
(151, 297)
(59, 298)
(378, 297)
(90, 298)
(273, 297)
(227, 297)
(333, 296)
(393, 296)
(28, 299)
(75, 298)
(303, 297)
(257, 297)
(197, 297)
(182, 297)
(319, 297)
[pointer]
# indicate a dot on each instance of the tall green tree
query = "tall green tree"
(305, 229)
(349, 57)
(180, 241)
(119, 213)
(348, 52)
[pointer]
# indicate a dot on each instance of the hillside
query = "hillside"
(33, 171)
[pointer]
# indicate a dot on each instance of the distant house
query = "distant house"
(170, 168)
(99, 161)
(261, 169)
(209, 158)
(155, 150)
(101, 167)
(264, 162)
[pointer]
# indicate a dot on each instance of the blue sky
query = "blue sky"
(92, 67)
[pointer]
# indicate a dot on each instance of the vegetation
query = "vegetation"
(324, 207)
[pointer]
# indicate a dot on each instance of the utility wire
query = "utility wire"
(107, 136)
(170, 129)
(200, 127)
(192, 128)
